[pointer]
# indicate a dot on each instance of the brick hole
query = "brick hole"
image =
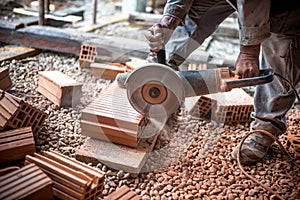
(21, 115)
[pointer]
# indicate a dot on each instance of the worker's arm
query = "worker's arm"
(254, 28)
(174, 14)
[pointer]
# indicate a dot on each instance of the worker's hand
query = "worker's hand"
(247, 64)
(159, 34)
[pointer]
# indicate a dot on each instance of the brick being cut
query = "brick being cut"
(61, 89)
(110, 117)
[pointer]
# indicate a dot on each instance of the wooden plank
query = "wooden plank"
(102, 22)
(68, 18)
(10, 52)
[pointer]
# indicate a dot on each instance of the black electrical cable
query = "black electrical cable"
(294, 89)
(287, 155)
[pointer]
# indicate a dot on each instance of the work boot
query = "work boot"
(254, 148)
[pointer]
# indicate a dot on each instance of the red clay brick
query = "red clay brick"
(131, 65)
(233, 106)
(29, 182)
(88, 54)
(123, 193)
(5, 81)
(71, 179)
(8, 107)
(59, 88)
(16, 144)
(26, 115)
(110, 117)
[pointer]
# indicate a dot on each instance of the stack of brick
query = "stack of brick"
(233, 106)
(16, 113)
(29, 182)
(71, 179)
(123, 193)
(110, 117)
(16, 144)
(61, 89)
(5, 81)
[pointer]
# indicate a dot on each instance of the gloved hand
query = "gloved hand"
(159, 34)
(247, 64)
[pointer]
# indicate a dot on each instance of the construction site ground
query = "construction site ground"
(191, 158)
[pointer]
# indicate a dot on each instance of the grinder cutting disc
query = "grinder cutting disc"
(155, 90)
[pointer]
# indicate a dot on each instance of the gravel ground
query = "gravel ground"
(191, 158)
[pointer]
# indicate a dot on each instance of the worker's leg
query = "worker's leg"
(202, 20)
(273, 100)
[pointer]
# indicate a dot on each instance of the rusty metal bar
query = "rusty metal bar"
(94, 11)
(41, 12)
(47, 6)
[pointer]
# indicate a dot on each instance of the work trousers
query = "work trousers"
(281, 52)
(201, 21)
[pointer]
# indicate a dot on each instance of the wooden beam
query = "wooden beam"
(10, 52)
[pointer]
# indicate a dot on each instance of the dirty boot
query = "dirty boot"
(254, 148)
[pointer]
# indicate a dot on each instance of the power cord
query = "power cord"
(286, 154)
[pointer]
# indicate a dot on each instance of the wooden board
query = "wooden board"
(102, 22)
(16, 144)
(61, 89)
(10, 52)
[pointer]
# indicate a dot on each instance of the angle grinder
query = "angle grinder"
(156, 90)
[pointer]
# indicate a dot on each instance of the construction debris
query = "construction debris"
(123, 193)
(59, 88)
(71, 179)
(5, 81)
(16, 144)
(29, 182)
(10, 52)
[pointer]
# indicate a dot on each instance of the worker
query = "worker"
(268, 25)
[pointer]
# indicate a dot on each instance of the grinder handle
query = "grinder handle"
(265, 76)
(161, 56)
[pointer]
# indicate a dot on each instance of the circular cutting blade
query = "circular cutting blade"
(155, 90)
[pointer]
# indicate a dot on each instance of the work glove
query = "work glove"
(159, 34)
(247, 64)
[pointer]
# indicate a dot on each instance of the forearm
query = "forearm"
(254, 22)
